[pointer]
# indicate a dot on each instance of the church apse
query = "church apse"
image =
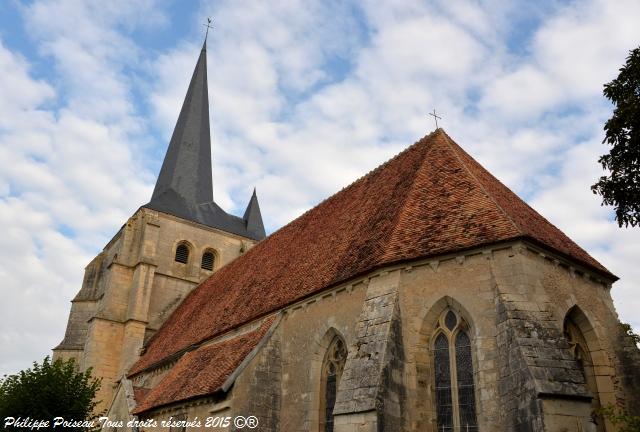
(446, 294)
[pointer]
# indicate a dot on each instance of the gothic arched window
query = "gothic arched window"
(208, 259)
(332, 368)
(453, 367)
(580, 350)
(182, 253)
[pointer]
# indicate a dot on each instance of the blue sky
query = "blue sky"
(306, 96)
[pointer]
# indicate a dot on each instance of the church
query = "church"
(425, 296)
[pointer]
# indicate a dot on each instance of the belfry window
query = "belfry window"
(182, 253)
(208, 259)
(332, 368)
(453, 369)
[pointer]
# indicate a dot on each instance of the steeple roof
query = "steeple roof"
(252, 215)
(431, 199)
(184, 187)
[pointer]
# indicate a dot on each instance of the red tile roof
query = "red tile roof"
(432, 198)
(139, 393)
(200, 372)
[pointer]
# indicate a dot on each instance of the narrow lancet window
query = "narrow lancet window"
(464, 375)
(453, 366)
(332, 368)
(443, 383)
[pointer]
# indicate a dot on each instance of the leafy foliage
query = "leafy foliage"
(628, 331)
(625, 422)
(49, 390)
(621, 188)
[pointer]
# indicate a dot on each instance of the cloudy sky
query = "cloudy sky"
(306, 96)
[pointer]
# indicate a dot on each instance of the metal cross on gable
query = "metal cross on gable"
(435, 117)
(208, 25)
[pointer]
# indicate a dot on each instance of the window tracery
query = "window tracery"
(332, 368)
(453, 370)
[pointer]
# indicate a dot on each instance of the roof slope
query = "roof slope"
(202, 371)
(431, 199)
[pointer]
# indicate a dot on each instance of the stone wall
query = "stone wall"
(258, 392)
(306, 331)
(628, 377)
(465, 285)
(392, 395)
(514, 298)
(133, 285)
(372, 379)
(193, 411)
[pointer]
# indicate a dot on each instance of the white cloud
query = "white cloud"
(569, 203)
(583, 47)
(533, 112)
(306, 96)
(69, 173)
(18, 90)
(524, 93)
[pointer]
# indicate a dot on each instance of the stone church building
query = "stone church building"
(425, 296)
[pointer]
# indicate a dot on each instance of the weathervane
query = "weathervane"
(435, 117)
(208, 26)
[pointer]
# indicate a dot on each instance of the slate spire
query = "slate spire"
(253, 217)
(184, 187)
(186, 169)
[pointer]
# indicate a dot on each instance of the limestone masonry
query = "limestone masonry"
(425, 296)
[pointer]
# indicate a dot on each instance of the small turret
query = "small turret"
(253, 217)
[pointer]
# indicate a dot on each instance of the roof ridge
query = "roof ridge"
(362, 177)
(449, 142)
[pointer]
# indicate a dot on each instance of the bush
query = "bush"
(48, 390)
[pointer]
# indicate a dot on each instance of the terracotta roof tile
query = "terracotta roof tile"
(432, 198)
(200, 372)
(140, 393)
(527, 220)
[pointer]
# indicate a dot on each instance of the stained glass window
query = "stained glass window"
(331, 372)
(443, 383)
(454, 394)
(450, 320)
(464, 370)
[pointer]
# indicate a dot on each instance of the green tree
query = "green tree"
(621, 188)
(48, 390)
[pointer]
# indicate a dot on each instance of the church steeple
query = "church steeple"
(184, 187)
(186, 169)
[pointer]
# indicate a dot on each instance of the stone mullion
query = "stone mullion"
(454, 382)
